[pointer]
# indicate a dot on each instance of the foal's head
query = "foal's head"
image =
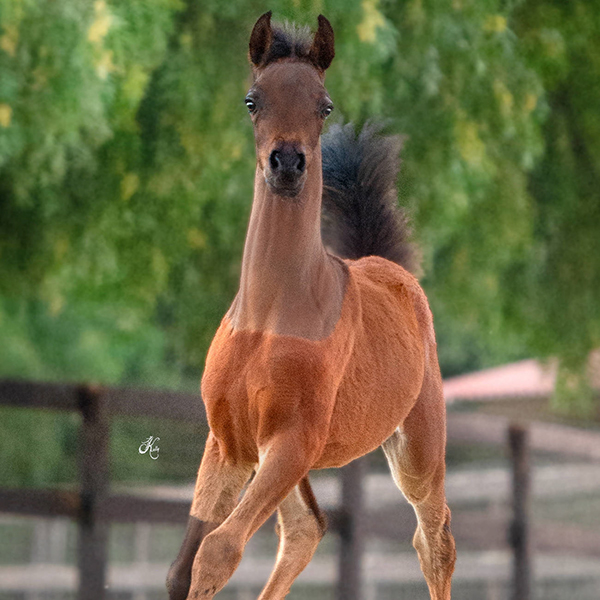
(288, 102)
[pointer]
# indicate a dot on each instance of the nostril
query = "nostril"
(274, 160)
(301, 162)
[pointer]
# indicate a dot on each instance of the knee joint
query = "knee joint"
(221, 548)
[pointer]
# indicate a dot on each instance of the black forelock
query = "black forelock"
(289, 41)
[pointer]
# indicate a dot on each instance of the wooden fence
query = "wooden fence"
(95, 508)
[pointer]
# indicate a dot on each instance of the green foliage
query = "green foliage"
(470, 106)
(559, 280)
(38, 448)
(127, 160)
(97, 343)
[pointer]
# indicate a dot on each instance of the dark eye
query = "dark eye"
(327, 111)
(251, 105)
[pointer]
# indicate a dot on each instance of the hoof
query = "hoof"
(178, 583)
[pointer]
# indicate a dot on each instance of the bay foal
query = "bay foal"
(319, 360)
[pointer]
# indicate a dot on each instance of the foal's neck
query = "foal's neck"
(289, 284)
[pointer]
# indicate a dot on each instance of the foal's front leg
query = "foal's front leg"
(283, 464)
(218, 487)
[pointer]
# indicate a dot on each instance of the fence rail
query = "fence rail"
(94, 508)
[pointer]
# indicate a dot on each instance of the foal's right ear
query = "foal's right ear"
(260, 39)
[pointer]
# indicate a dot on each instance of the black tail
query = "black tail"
(361, 216)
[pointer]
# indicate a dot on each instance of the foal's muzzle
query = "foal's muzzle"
(286, 172)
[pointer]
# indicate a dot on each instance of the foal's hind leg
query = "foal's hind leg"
(300, 526)
(218, 487)
(416, 455)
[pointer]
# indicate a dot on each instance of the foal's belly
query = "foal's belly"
(382, 380)
(368, 410)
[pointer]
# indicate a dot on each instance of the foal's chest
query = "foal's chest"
(256, 384)
(232, 358)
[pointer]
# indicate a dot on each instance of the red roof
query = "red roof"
(524, 378)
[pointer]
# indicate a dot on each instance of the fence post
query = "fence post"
(350, 584)
(518, 440)
(93, 530)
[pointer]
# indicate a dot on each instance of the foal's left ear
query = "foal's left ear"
(322, 51)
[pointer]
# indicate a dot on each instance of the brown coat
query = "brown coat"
(349, 391)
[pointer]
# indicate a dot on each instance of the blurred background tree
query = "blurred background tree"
(127, 160)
